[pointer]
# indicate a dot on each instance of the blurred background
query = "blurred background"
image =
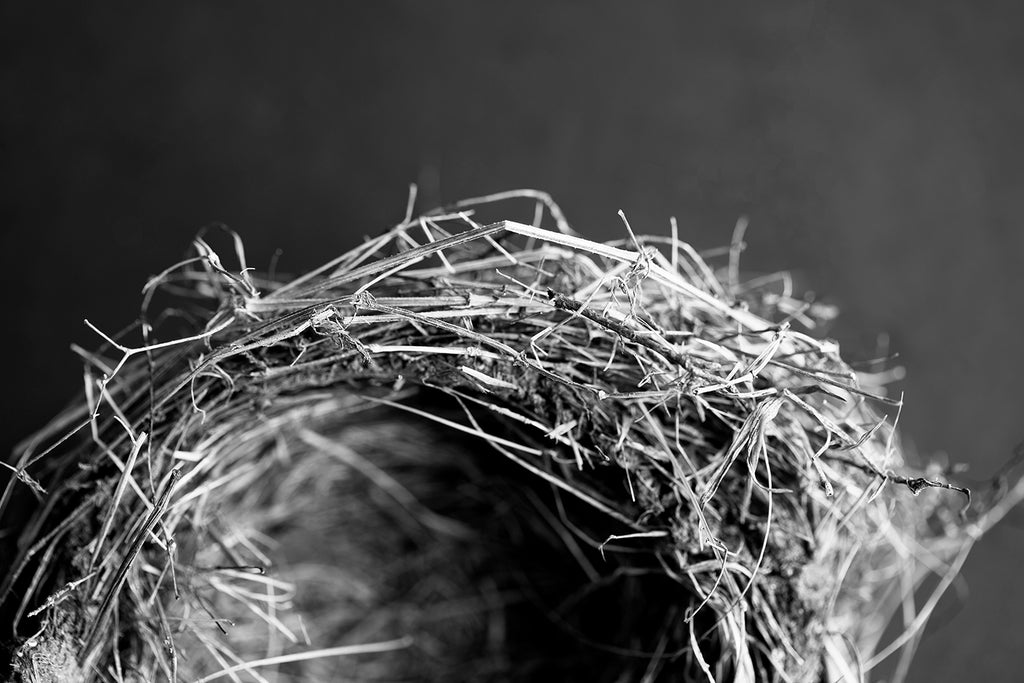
(876, 151)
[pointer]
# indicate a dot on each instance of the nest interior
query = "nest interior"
(468, 451)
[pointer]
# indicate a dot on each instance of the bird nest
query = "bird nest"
(467, 451)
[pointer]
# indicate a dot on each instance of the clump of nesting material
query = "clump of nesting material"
(472, 452)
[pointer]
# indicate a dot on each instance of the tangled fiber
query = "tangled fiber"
(474, 452)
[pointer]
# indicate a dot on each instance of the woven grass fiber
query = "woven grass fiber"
(469, 451)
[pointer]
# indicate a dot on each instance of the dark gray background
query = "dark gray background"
(876, 150)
